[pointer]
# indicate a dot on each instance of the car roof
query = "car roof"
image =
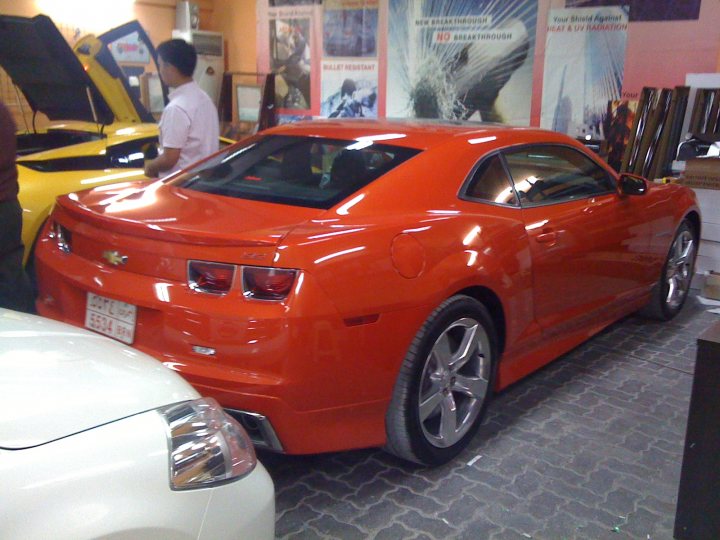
(421, 134)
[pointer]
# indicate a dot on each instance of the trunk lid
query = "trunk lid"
(154, 229)
(157, 210)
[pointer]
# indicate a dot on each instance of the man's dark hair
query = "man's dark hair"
(179, 53)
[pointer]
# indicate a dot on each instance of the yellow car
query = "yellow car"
(99, 131)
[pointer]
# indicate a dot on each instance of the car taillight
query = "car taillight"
(61, 235)
(210, 277)
(264, 283)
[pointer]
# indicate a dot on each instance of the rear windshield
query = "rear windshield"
(298, 171)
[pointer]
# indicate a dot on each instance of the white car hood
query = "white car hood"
(57, 380)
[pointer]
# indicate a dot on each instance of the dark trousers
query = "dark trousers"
(15, 289)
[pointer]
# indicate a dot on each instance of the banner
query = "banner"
(461, 60)
(584, 64)
(350, 86)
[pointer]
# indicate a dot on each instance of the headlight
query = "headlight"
(206, 445)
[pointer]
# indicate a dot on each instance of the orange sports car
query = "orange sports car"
(339, 285)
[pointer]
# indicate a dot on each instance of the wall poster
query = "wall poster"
(648, 10)
(461, 60)
(288, 41)
(349, 89)
(584, 64)
(291, 60)
(350, 28)
(350, 86)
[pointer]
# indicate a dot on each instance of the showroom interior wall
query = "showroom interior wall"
(658, 53)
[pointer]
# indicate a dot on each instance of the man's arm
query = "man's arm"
(164, 162)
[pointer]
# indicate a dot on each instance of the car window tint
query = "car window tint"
(490, 182)
(132, 154)
(550, 174)
(300, 171)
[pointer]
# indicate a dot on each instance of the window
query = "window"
(549, 174)
(490, 182)
(126, 155)
(300, 171)
(132, 154)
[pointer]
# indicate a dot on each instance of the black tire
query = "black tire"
(671, 290)
(455, 393)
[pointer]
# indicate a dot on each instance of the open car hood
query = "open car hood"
(85, 85)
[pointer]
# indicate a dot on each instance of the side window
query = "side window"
(549, 174)
(490, 183)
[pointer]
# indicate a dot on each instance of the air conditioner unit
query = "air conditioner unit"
(211, 59)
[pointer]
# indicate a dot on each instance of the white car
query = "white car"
(100, 440)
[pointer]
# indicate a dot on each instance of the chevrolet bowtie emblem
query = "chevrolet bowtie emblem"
(114, 257)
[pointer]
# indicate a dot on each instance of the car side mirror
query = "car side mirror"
(632, 184)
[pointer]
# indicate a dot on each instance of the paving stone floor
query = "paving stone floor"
(589, 447)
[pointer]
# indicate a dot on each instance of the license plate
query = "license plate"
(111, 317)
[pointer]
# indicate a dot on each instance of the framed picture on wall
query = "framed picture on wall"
(246, 103)
(247, 100)
(151, 93)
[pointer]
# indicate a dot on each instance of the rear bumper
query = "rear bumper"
(319, 384)
(259, 429)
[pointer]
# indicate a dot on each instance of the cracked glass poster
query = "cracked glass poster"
(461, 60)
(584, 64)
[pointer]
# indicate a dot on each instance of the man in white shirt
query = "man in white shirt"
(189, 127)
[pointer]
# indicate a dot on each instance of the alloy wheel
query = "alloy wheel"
(678, 272)
(454, 382)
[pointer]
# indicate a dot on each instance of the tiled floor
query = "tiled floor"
(589, 447)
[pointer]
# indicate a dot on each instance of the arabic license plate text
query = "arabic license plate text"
(111, 317)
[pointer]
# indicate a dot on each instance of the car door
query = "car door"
(588, 243)
(489, 198)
